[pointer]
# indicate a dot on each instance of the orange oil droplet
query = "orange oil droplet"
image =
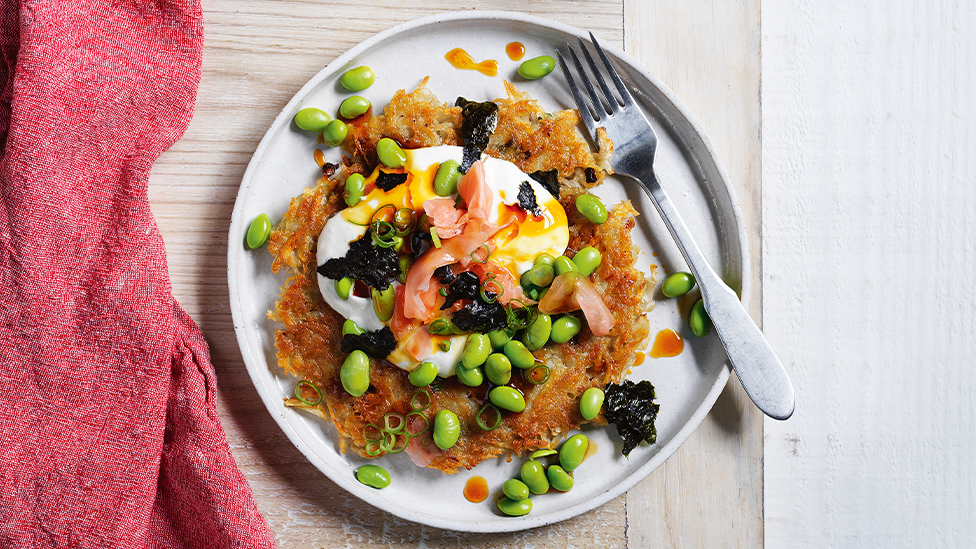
(476, 489)
(460, 59)
(319, 157)
(515, 50)
(639, 358)
(667, 343)
(590, 451)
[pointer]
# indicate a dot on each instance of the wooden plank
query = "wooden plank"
(709, 494)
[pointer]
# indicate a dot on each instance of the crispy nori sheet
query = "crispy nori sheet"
(549, 180)
(630, 406)
(526, 198)
(478, 121)
(389, 181)
(378, 344)
(375, 265)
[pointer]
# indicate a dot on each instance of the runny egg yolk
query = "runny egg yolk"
(515, 245)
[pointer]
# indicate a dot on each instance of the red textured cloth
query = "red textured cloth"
(109, 435)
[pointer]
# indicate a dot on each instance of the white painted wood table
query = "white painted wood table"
(257, 55)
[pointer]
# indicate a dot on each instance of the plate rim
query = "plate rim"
(528, 521)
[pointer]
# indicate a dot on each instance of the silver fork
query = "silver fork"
(759, 370)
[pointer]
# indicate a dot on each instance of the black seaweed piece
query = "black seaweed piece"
(466, 285)
(630, 406)
(389, 181)
(378, 344)
(479, 316)
(526, 198)
(478, 121)
(378, 267)
(420, 242)
(445, 274)
(549, 180)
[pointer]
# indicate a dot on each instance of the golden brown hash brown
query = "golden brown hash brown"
(308, 342)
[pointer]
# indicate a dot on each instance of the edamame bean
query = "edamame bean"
(591, 402)
(355, 187)
(519, 356)
(678, 284)
(447, 429)
(350, 327)
(498, 338)
(545, 452)
(258, 232)
(354, 373)
(572, 452)
(534, 476)
(498, 369)
(565, 328)
(312, 119)
(539, 276)
(587, 260)
(544, 259)
(335, 133)
(592, 208)
(343, 286)
(473, 377)
(351, 107)
(373, 475)
(515, 489)
(537, 67)
(390, 153)
(383, 302)
(358, 79)
(423, 375)
(537, 334)
(559, 478)
(514, 508)
(699, 321)
(405, 263)
(564, 265)
(476, 350)
(446, 180)
(507, 398)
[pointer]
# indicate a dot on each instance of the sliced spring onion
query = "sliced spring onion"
(487, 254)
(417, 424)
(384, 234)
(381, 214)
(373, 448)
(298, 393)
(389, 439)
(486, 288)
(434, 237)
(400, 442)
(538, 375)
(426, 440)
(394, 422)
(372, 433)
(420, 400)
(444, 345)
(481, 419)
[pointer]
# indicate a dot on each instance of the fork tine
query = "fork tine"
(598, 107)
(611, 98)
(624, 92)
(577, 96)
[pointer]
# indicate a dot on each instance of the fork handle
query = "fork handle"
(759, 370)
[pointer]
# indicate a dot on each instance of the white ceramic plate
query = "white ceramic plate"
(687, 385)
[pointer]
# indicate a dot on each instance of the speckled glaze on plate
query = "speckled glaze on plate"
(687, 385)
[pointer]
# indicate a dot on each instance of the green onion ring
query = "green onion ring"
(373, 448)
(379, 211)
(498, 417)
(434, 237)
(487, 254)
(400, 422)
(419, 405)
(426, 440)
(298, 393)
(413, 432)
(531, 374)
(379, 433)
(485, 289)
(389, 439)
(385, 238)
(396, 448)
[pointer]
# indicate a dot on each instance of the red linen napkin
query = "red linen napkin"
(109, 435)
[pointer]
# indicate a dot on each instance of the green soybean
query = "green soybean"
(373, 475)
(537, 334)
(572, 452)
(423, 375)
(678, 284)
(564, 265)
(533, 474)
(446, 179)
(258, 231)
(476, 350)
(539, 276)
(519, 356)
(355, 187)
(447, 429)
(591, 402)
(358, 79)
(507, 398)
(312, 119)
(587, 260)
(545, 452)
(537, 67)
(472, 377)
(343, 286)
(354, 106)
(498, 338)
(559, 478)
(350, 327)
(354, 373)
(390, 153)
(515, 489)
(335, 133)
(498, 369)
(514, 508)
(592, 208)
(544, 259)
(565, 328)
(383, 302)
(699, 321)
